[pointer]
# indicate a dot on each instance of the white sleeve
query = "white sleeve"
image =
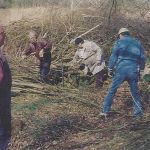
(99, 54)
(98, 51)
(76, 57)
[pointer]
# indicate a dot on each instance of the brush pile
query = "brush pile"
(61, 29)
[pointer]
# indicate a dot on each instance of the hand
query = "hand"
(41, 53)
(33, 53)
(110, 73)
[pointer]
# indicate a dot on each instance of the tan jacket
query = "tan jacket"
(91, 56)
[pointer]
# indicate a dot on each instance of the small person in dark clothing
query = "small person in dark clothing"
(42, 50)
(45, 58)
(5, 97)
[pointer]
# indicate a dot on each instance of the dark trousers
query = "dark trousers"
(44, 71)
(101, 77)
(5, 117)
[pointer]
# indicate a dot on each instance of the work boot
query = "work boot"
(103, 115)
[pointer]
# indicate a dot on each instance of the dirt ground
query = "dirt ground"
(68, 119)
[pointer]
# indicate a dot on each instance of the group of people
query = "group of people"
(126, 63)
(89, 57)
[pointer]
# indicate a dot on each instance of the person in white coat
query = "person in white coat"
(90, 57)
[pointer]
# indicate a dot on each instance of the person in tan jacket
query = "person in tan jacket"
(90, 56)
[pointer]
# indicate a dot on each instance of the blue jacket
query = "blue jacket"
(127, 55)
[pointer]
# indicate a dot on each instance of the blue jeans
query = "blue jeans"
(132, 78)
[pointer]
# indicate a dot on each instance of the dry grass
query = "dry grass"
(70, 119)
(8, 16)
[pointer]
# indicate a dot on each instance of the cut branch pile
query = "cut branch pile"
(20, 87)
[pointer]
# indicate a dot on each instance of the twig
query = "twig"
(86, 32)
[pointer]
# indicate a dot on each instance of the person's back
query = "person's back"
(128, 61)
(127, 55)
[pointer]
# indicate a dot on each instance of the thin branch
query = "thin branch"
(86, 32)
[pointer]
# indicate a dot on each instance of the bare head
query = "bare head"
(32, 36)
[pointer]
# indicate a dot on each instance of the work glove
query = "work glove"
(141, 74)
(110, 73)
(41, 53)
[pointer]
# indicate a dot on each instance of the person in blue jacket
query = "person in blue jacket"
(128, 61)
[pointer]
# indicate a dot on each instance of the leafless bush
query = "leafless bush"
(111, 14)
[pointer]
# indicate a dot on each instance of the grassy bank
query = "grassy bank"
(56, 117)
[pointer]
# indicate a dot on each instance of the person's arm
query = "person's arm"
(114, 56)
(76, 58)
(99, 55)
(48, 45)
(45, 46)
(95, 49)
(29, 51)
(1, 72)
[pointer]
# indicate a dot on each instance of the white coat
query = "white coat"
(91, 56)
